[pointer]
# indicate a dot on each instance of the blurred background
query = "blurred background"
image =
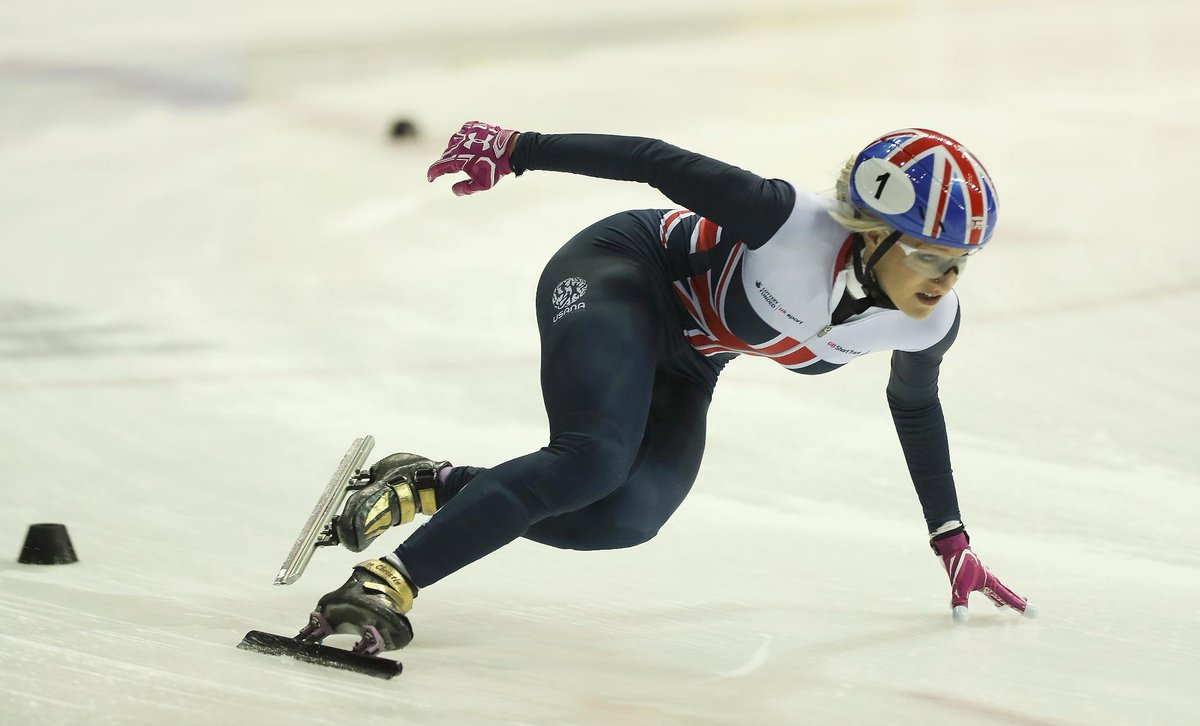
(219, 266)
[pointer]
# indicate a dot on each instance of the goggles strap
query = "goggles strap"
(882, 249)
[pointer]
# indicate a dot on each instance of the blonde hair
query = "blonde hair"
(846, 214)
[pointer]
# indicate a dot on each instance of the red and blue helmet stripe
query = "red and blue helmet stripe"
(948, 199)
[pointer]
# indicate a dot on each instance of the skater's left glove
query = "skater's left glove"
(481, 151)
(967, 575)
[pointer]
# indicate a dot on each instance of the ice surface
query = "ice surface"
(217, 271)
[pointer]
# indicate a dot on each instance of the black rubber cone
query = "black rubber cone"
(47, 544)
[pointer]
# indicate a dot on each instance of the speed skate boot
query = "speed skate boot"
(399, 486)
(372, 605)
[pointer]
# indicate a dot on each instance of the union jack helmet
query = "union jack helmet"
(926, 185)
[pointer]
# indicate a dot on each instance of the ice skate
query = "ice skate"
(371, 604)
(399, 487)
(318, 530)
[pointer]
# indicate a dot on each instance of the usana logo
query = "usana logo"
(566, 296)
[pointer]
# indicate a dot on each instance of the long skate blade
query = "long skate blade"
(331, 499)
(325, 655)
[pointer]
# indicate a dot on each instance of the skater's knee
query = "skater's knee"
(579, 533)
(584, 469)
(630, 535)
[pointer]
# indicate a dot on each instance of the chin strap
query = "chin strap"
(865, 272)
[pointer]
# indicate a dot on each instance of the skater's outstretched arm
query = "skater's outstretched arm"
(917, 412)
(912, 395)
(752, 207)
(739, 200)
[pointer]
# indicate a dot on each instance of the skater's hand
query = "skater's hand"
(481, 150)
(967, 575)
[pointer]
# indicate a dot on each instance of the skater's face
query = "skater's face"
(915, 274)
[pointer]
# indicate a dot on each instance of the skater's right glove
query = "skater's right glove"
(967, 575)
(482, 151)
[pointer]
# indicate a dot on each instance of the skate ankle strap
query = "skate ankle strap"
(425, 484)
(397, 586)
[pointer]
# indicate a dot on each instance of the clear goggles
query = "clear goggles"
(933, 264)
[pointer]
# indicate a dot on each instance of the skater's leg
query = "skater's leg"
(601, 333)
(662, 476)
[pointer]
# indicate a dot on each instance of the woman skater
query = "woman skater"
(637, 315)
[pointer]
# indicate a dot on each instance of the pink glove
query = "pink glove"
(479, 149)
(967, 575)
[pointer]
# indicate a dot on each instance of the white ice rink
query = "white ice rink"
(217, 270)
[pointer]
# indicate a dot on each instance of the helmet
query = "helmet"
(925, 185)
